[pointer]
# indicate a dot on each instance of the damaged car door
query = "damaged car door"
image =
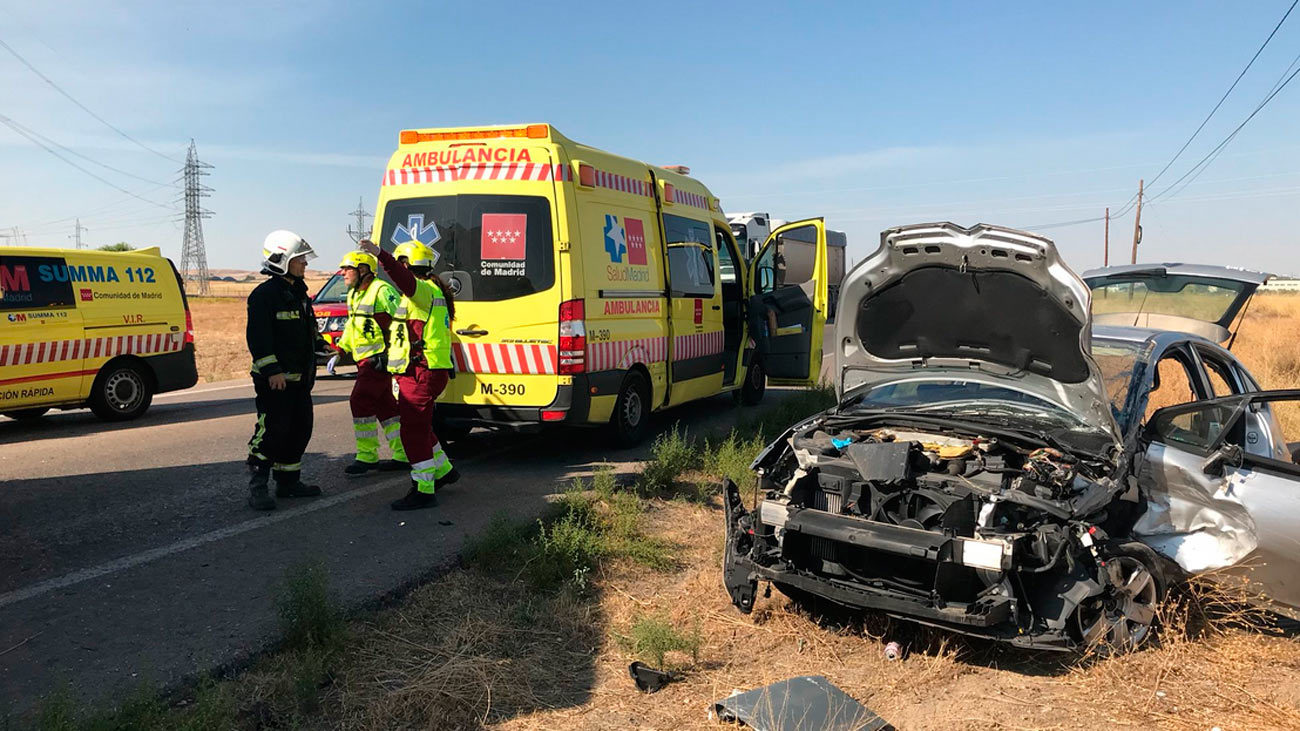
(1222, 494)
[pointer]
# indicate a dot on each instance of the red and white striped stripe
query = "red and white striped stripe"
(478, 171)
(89, 348)
(621, 354)
(532, 360)
(622, 183)
(697, 345)
(691, 199)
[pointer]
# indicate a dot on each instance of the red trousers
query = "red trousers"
(372, 393)
(417, 390)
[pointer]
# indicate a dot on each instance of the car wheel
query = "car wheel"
(121, 392)
(27, 414)
(631, 416)
(751, 391)
(1124, 617)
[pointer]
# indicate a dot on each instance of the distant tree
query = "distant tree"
(119, 246)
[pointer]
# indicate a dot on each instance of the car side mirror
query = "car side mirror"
(1228, 454)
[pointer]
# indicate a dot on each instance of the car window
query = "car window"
(1197, 428)
(1220, 379)
(1173, 385)
(690, 270)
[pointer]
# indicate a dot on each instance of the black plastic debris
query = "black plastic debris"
(648, 679)
(806, 702)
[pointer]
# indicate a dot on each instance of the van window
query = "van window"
(490, 247)
(34, 282)
(678, 230)
(690, 270)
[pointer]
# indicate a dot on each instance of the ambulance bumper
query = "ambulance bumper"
(174, 371)
(571, 406)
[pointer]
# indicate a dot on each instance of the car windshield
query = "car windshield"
(334, 291)
(967, 398)
(1116, 359)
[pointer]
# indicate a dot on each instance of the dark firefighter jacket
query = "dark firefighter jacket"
(282, 335)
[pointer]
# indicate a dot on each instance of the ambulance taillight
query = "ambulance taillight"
(189, 326)
(573, 338)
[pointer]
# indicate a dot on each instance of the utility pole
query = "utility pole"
(1137, 225)
(1105, 256)
(361, 230)
(194, 257)
(76, 233)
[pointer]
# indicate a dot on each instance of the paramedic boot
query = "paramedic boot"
(258, 497)
(288, 483)
(449, 478)
(416, 499)
(358, 468)
(394, 465)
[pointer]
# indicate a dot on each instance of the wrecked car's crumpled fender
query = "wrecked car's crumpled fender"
(1194, 520)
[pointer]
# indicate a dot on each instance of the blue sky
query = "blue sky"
(871, 114)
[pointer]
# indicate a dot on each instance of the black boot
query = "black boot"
(290, 484)
(449, 478)
(394, 465)
(258, 497)
(358, 468)
(414, 500)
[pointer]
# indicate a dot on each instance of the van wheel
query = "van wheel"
(631, 411)
(121, 392)
(27, 414)
(751, 391)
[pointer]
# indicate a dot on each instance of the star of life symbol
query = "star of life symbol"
(416, 230)
(615, 239)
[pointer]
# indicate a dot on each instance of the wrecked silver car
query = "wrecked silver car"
(983, 473)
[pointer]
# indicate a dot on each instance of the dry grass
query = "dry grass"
(219, 321)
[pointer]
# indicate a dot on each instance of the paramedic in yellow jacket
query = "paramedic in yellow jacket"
(419, 355)
(371, 304)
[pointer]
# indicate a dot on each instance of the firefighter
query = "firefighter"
(419, 354)
(371, 303)
(283, 342)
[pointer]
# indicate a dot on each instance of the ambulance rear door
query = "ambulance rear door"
(789, 279)
(488, 209)
(42, 342)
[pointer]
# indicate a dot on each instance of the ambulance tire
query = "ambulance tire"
(122, 391)
(631, 418)
(751, 391)
(27, 414)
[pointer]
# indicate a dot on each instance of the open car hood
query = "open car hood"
(1192, 298)
(986, 304)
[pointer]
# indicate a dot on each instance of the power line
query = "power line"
(83, 107)
(12, 125)
(88, 159)
(1226, 93)
(1205, 161)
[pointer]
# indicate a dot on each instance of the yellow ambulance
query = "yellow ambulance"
(593, 289)
(101, 329)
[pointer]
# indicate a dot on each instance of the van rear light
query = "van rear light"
(189, 327)
(573, 338)
(554, 415)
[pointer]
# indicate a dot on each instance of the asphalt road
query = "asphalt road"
(127, 555)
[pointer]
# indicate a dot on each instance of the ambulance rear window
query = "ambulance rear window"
(490, 247)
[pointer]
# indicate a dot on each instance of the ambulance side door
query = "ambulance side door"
(695, 303)
(789, 278)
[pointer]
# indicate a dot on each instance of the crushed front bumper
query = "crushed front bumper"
(750, 556)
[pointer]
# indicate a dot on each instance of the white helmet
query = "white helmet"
(280, 247)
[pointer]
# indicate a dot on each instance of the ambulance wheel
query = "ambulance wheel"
(121, 392)
(751, 391)
(27, 414)
(631, 416)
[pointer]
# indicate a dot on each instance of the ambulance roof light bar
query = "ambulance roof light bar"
(532, 132)
(679, 169)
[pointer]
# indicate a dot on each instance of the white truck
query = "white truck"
(794, 257)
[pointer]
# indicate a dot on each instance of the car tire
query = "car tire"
(631, 417)
(121, 392)
(27, 414)
(1125, 619)
(751, 391)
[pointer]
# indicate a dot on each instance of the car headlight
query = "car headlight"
(320, 324)
(336, 323)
